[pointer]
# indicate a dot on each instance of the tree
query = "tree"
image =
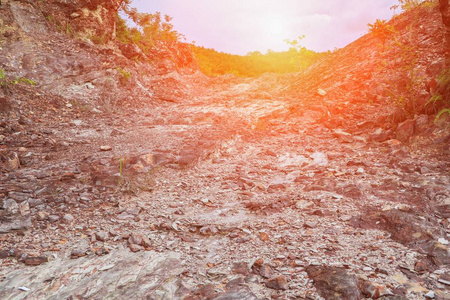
(296, 43)
(296, 46)
(409, 4)
(120, 4)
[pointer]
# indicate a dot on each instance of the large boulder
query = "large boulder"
(405, 130)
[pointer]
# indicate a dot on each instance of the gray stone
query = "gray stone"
(42, 216)
(24, 208)
(135, 248)
(36, 261)
(53, 218)
(18, 196)
(139, 239)
(102, 236)
(18, 223)
(10, 207)
(125, 216)
(277, 283)
(266, 271)
(35, 202)
(68, 218)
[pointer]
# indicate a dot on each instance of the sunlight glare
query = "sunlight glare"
(276, 28)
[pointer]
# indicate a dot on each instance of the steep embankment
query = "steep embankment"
(68, 50)
(380, 79)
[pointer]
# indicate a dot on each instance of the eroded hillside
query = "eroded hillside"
(174, 185)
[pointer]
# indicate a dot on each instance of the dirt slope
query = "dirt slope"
(233, 189)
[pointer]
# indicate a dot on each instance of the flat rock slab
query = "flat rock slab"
(118, 275)
(237, 293)
(334, 283)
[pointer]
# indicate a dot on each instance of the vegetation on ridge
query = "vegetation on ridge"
(153, 29)
(405, 83)
(212, 62)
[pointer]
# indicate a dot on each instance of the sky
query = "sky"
(242, 26)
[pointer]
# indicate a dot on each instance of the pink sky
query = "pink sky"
(241, 26)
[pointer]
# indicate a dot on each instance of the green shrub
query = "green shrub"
(7, 83)
(150, 29)
(98, 40)
(441, 98)
(382, 30)
(124, 76)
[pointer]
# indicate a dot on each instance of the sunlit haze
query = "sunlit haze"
(241, 26)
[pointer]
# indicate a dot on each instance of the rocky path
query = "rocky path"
(234, 194)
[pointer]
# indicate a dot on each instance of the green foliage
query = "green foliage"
(23, 80)
(150, 29)
(441, 98)
(404, 80)
(296, 46)
(296, 43)
(444, 78)
(407, 5)
(124, 76)
(436, 98)
(68, 29)
(98, 40)
(7, 83)
(215, 63)
(121, 162)
(121, 167)
(441, 113)
(382, 30)
(64, 27)
(2, 76)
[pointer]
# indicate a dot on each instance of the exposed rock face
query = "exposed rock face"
(50, 59)
(444, 7)
(144, 275)
(14, 214)
(351, 71)
(37, 43)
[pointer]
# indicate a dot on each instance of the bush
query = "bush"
(382, 30)
(441, 97)
(7, 83)
(150, 30)
(124, 76)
